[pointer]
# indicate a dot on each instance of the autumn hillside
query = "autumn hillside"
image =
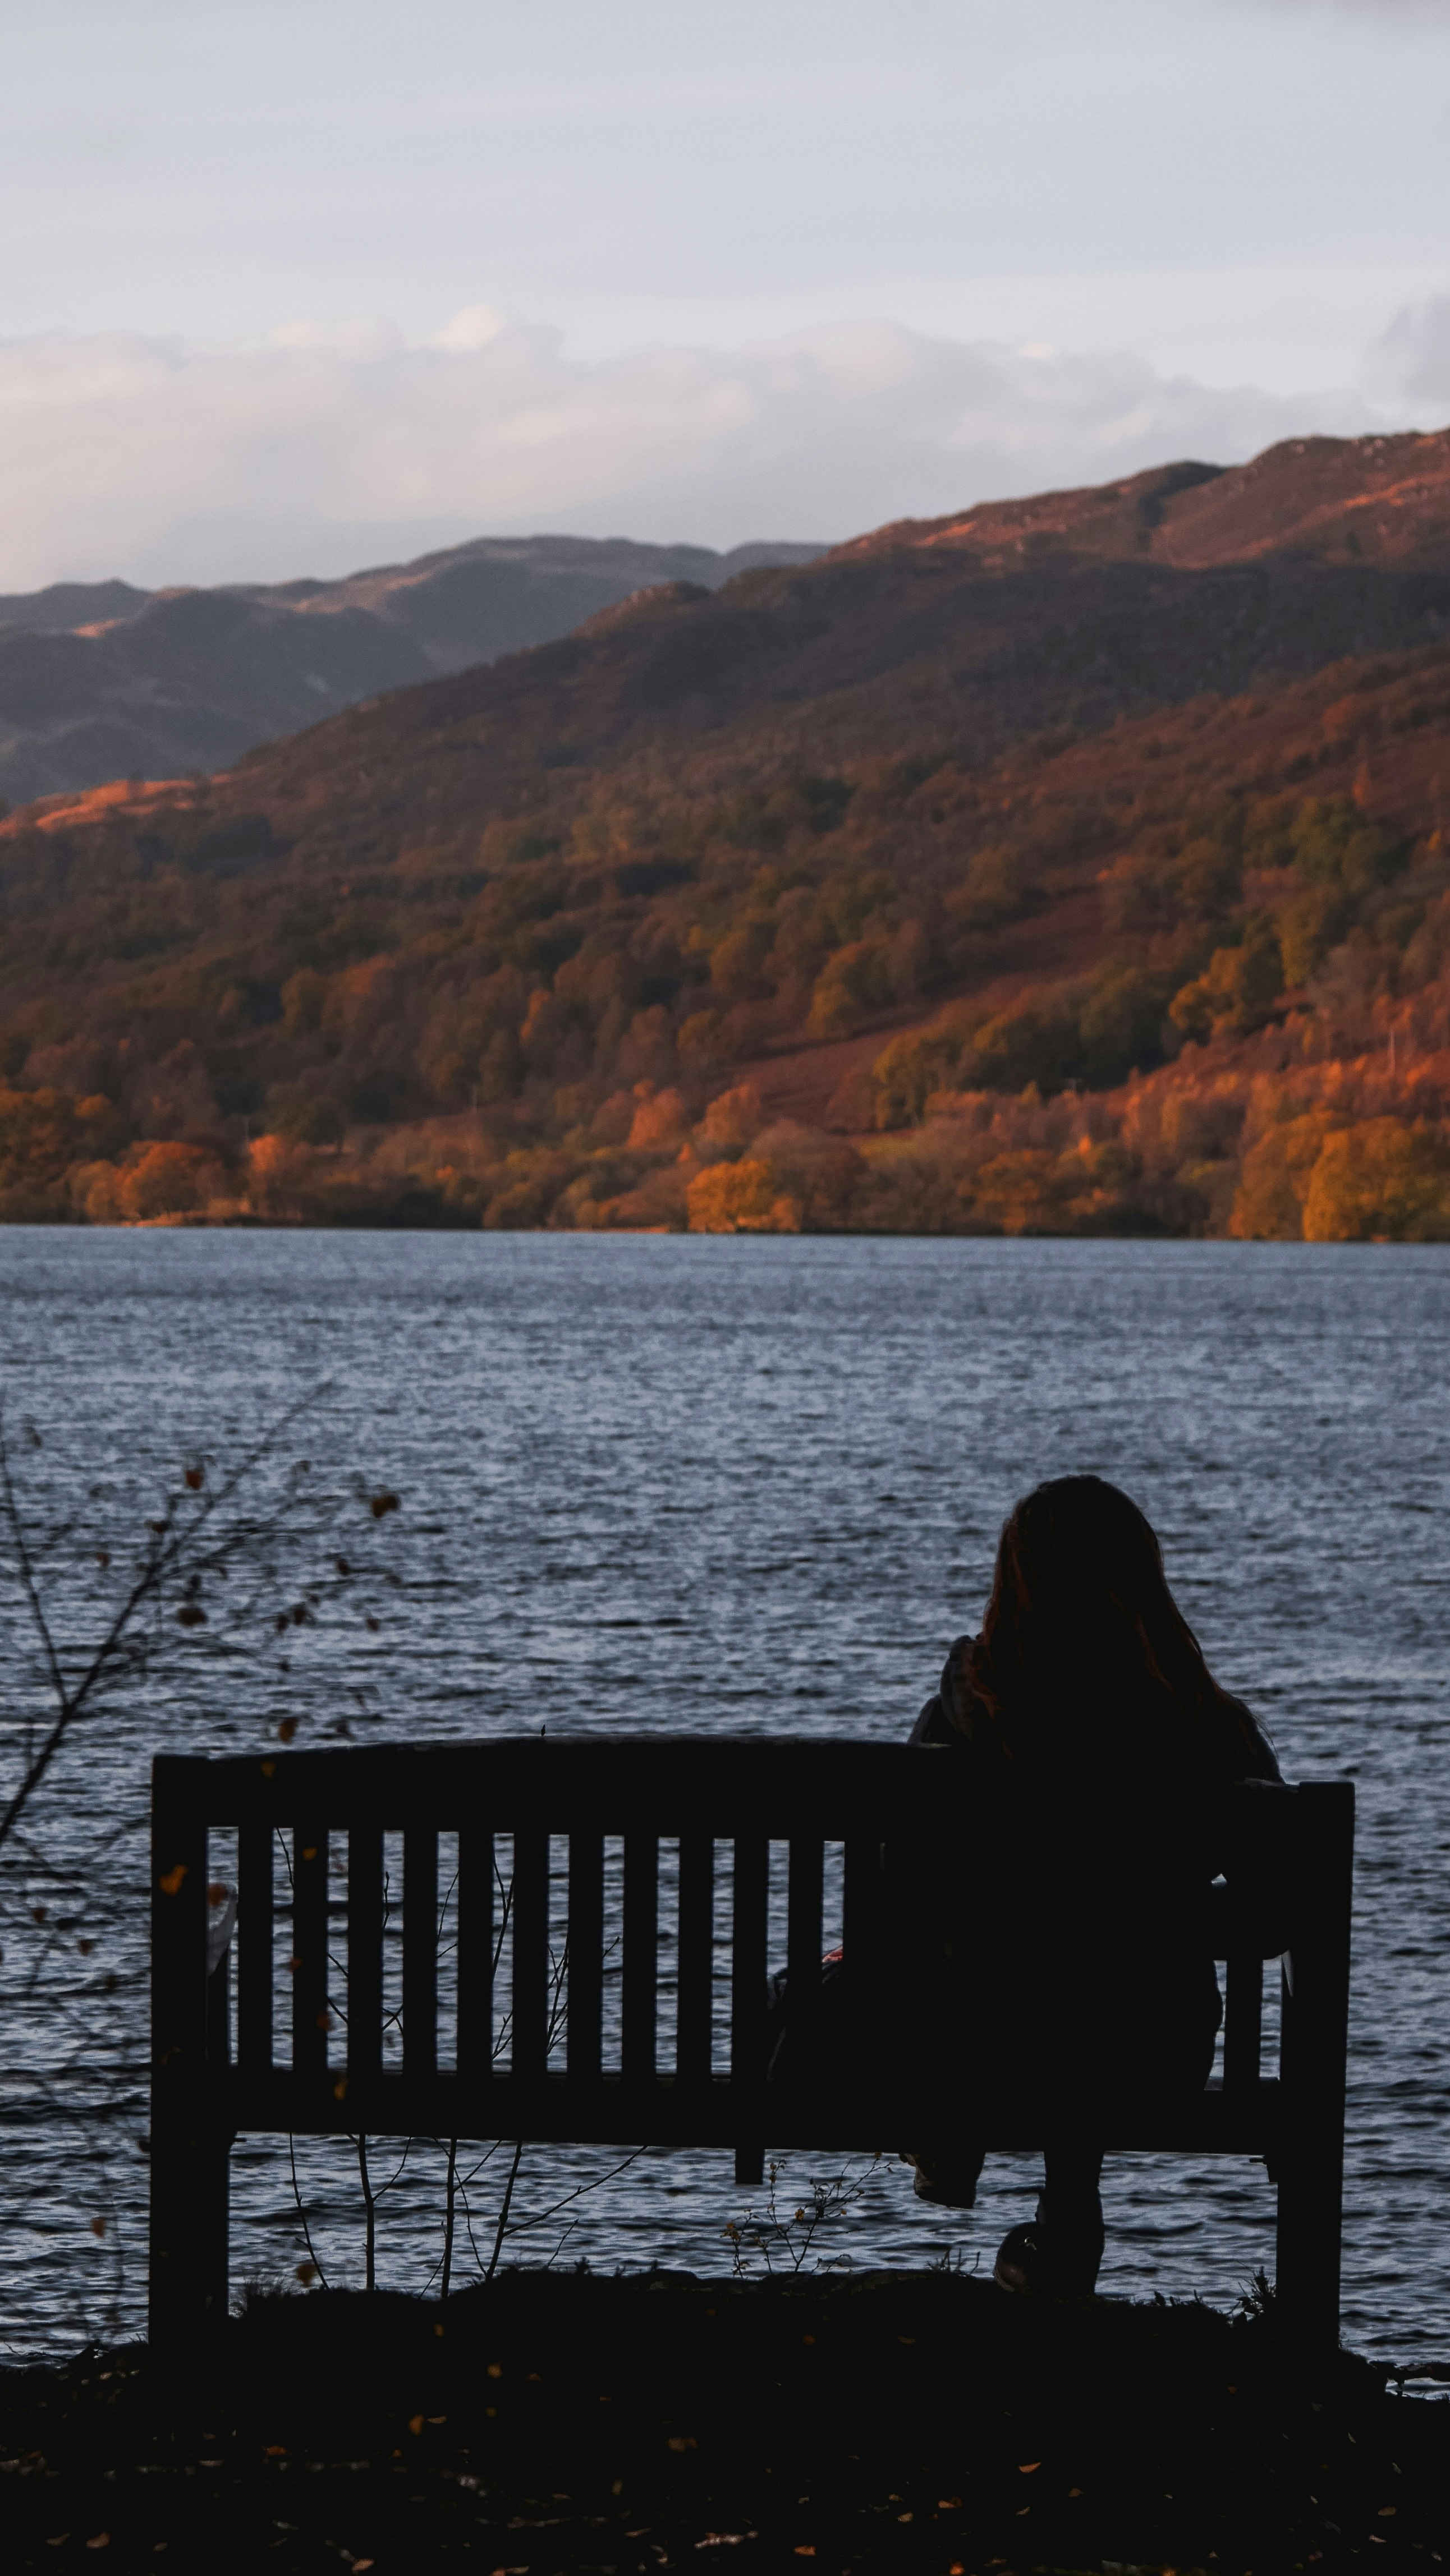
(1078, 864)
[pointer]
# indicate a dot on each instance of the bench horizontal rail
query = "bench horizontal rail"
(716, 2113)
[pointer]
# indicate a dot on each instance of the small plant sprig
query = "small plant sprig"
(784, 2244)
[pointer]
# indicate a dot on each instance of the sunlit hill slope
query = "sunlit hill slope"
(1077, 864)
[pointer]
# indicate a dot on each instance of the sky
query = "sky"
(293, 286)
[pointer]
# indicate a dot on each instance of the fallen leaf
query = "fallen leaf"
(415, 2423)
(948, 2504)
(59, 2541)
(683, 2442)
(102, 2541)
(1026, 2467)
(170, 1885)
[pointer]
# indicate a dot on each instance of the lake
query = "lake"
(655, 1482)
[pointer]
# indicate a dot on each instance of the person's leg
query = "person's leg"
(1071, 2205)
(1059, 2251)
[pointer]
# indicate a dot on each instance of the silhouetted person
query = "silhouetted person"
(1078, 1953)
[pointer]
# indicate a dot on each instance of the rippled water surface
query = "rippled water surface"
(659, 1482)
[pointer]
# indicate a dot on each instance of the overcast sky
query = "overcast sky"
(292, 285)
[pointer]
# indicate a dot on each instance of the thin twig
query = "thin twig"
(370, 2218)
(503, 2216)
(596, 2182)
(302, 2214)
(448, 2216)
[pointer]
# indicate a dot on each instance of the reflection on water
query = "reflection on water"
(667, 1482)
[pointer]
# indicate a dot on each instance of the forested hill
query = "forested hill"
(1073, 863)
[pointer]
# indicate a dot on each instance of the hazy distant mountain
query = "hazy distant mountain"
(100, 680)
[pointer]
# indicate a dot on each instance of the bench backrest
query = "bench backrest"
(571, 1937)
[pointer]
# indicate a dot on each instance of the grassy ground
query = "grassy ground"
(552, 2422)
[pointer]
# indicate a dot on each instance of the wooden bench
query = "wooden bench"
(610, 1910)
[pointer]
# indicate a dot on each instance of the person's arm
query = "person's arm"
(933, 1726)
(1258, 1760)
(945, 1718)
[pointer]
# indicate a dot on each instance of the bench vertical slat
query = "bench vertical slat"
(309, 1950)
(803, 1921)
(586, 1957)
(694, 2002)
(1243, 2020)
(750, 1899)
(530, 1998)
(364, 1952)
(255, 1936)
(475, 1953)
(420, 1952)
(641, 1955)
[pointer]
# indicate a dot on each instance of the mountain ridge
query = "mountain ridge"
(1304, 495)
(99, 680)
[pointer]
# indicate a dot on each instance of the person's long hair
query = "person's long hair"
(1085, 1660)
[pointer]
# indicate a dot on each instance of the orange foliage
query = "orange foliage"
(1380, 1182)
(1277, 1171)
(741, 1198)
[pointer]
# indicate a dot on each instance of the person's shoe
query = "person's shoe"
(937, 2179)
(1031, 2259)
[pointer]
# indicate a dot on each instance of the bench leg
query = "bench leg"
(1311, 2214)
(190, 2211)
(750, 2167)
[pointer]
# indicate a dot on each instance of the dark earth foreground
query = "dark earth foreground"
(562, 2421)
